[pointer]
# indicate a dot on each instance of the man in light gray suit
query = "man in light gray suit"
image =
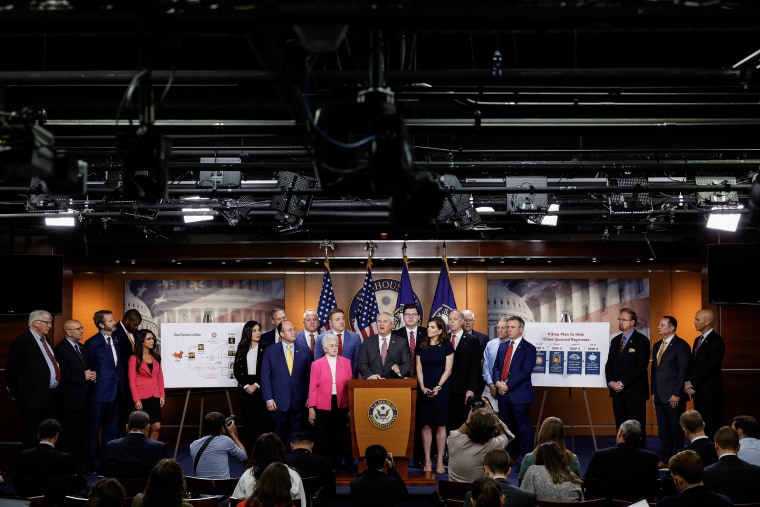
(396, 364)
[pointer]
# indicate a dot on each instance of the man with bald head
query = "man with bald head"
(704, 382)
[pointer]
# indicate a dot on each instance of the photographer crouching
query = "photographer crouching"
(468, 445)
(219, 440)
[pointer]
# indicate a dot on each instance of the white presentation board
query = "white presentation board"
(569, 354)
(195, 355)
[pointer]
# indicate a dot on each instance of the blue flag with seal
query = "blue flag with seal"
(405, 297)
(326, 300)
(443, 300)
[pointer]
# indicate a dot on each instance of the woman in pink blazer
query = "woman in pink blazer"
(328, 400)
(146, 379)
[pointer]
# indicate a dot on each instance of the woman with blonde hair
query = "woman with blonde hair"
(552, 430)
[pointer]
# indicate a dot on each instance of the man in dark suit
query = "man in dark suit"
(285, 381)
(33, 374)
(687, 471)
(496, 464)
(380, 485)
(626, 371)
(510, 362)
(308, 464)
(71, 395)
(349, 343)
(694, 430)
(124, 336)
(308, 335)
(101, 355)
(730, 475)
(627, 461)
(135, 454)
(704, 382)
(468, 323)
(670, 364)
(272, 336)
(396, 365)
(465, 373)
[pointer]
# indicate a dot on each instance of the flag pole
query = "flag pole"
(325, 245)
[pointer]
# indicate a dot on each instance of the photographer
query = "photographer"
(219, 440)
(468, 445)
(380, 485)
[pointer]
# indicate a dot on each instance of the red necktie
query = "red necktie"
(340, 344)
(698, 344)
(52, 359)
(384, 350)
(311, 343)
(453, 341)
(507, 360)
(412, 346)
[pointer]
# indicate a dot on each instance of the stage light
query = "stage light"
(60, 221)
(193, 215)
(722, 219)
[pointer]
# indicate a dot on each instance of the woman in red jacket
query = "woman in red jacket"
(146, 379)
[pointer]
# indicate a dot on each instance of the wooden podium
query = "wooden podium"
(383, 412)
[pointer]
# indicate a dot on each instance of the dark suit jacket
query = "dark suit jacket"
(373, 488)
(314, 465)
(44, 461)
(71, 393)
(303, 337)
(269, 337)
(705, 369)
(482, 339)
(131, 456)
(27, 373)
(370, 362)
(123, 344)
(735, 478)
(696, 495)
(352, 348)
(622, 462)
(669, 376)
(630, 366)
(705, 448)
(520, 372)
(418, 336)
(241, 369)
(513, 496)
(465, 373)
(112, 381)
(288, 391)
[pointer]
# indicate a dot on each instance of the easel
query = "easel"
(200, 418)
(572, 417)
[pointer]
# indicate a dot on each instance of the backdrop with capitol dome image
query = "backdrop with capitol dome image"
(569, 354)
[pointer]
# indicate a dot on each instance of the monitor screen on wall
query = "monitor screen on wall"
(732, 273)
(38, 284)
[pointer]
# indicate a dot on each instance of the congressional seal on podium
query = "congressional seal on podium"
(383, 414)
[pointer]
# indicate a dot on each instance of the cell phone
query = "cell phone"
(430, 394)
(389, 458)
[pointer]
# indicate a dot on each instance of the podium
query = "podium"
(383, 412)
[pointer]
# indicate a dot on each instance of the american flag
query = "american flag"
(326, 300)
(367, 315)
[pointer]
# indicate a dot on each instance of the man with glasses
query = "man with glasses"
(272, 336)
(626, 372)
(32, 374)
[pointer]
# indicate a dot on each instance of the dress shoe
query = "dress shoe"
(662, 465)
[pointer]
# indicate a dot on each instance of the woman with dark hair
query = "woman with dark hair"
(482, 432)
(486, 492)
(268, 449)
(106, 492)
(165, 488)
(146, 379)
(247, 371)
(272, 489)
(435, 358)
(551, 430)
(551, 477)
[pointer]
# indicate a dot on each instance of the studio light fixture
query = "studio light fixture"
(545, 218)
(63, 220)
(192, 215)
(724, 218)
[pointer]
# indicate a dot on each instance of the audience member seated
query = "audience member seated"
(486, 493)
(45, 460)
(267, 449)
(749, 431)
(308, 464)
(551, 477)
(686, 468)
(496, 465)
(133, 455)
(693, 427)
(733, 477)
(210, 453)
(483, 431)
(551, 430)
(165, 488)
(624, 462)
(273, 489)
(106, 492)
(380, 485)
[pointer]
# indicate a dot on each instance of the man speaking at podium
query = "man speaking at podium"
(384, 355)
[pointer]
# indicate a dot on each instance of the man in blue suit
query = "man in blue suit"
(102, 356)
(285, 381)
(507, 368)
(349, 343)
(310, 332)
(133, 455)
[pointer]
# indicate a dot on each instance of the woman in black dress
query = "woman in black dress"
(435, 358)
(247, 370)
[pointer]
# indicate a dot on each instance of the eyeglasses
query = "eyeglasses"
(411, 314)
(625, 320)
(46, 322)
